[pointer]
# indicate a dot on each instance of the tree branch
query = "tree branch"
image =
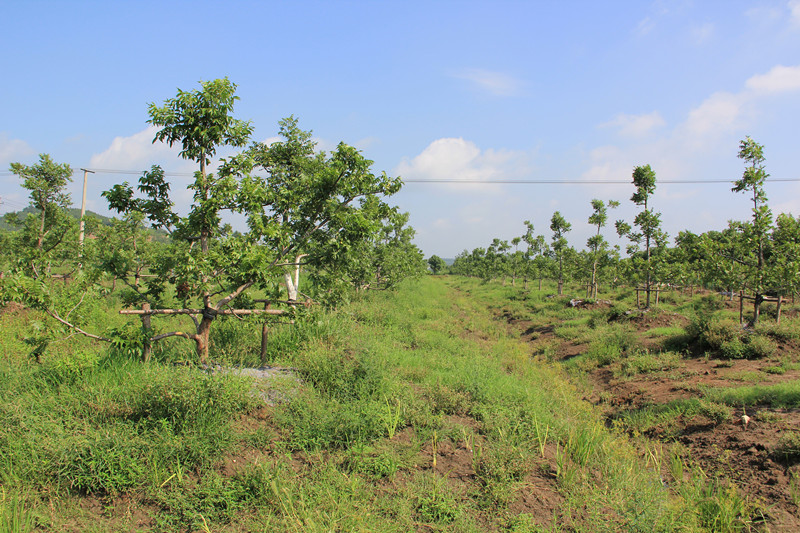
(172, 334)
(76, 328)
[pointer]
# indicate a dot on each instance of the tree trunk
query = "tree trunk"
(293, 284)
(201, 339)
(40, 239)
(756, 308)
(291, 288)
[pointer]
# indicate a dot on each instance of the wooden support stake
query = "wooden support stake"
(200, 311)
(741, 306)
(146, 347)
(780, 300)
(264, 338)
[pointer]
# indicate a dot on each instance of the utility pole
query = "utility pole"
(83, 207)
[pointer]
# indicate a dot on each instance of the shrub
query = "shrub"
(788, 447)
(720, 331)
(761, 347)
(733, 349)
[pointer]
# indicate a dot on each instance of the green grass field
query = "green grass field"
(415, 410)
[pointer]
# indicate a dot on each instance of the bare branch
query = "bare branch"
(76, 328)
(172, 334)
(76, 305)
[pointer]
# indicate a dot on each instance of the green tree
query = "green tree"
(128, 251)
(46, 230)
(786, 246)
(597, 242)
(515, 259)
(757, 232)
(378, 260)
(535, 255)
(295, 201)
(648, 222)
(689, 262)
(436, 264)
(724, 258)
(560, 227)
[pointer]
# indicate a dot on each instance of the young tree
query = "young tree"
(560, 227)
(294, 200)
(724, 258)
(535, 254)
(648, 222)
(45, 231)
(515, 259)
(786, 245)
(395, 257)
(689, 262)
(501, 260)
(127, 252)
(597, 243)
(436, 264)
(757, 232)
(379, 260)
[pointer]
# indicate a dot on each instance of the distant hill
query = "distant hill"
(158, 234)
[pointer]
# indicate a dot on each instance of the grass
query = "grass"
(647, 362)
(395, 387)
(788, 447)
(610, 343)
(781, 395)
(668, 419)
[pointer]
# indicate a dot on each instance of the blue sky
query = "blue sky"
(468, 90)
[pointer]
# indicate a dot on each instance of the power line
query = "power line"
(473, 181)
(578, 182)
(116, 171)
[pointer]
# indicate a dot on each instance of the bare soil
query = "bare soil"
(737, 453)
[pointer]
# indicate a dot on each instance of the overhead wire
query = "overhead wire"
(456, 181)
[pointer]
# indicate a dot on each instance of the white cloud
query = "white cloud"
(496, 83)
(442, 224)
(726, 113)
(790, 202)
(607, 163)
(718, 114)
(794, 11)
(136, 152)
(645, 26)
(461, 160)
(366, 143)
(703, 33)
(778, 79)
(273, 139)
(636, 125)
(13, 149)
